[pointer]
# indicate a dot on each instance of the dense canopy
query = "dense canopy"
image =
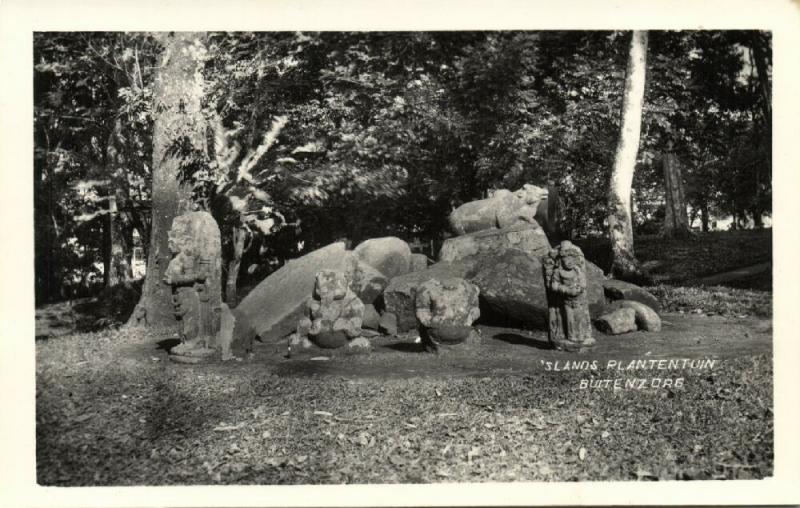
(314, 137)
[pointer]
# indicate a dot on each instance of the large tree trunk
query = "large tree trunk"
(240, 236)
(624, 264)
(676, 221)
(177, 112)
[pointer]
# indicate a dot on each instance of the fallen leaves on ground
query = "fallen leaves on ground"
(244, 425)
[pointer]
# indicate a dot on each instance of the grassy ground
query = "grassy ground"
(109, 417)
(719, 300)
(680, 261)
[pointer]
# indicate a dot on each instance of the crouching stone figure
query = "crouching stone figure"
(333, 316)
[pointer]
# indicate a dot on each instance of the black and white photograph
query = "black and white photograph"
(402, 257)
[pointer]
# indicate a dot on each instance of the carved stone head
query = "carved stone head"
(571, 255)
(531, 194)
(330, 285)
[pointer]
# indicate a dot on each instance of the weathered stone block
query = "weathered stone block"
(620, 321)
(372, 319)
(236, 334)
(391, 256)
(621, 290)
(512, 285)
(388, 323)
(646, 318)
(419, 262)
(400, 296)
(527, 237)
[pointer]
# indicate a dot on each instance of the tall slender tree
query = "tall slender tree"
(624, 264)
(177, 113)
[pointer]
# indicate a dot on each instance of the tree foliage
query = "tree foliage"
(315, 137)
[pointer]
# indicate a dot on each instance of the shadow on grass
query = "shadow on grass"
(407, 347)
(513, 338)
(167, 344)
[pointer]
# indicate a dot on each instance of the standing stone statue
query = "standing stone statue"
(194, 274)
(333, 315)
(569, 323)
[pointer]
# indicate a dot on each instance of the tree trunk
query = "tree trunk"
(761, 47)
(239, 241)
(704, 216)
(624, 264)
(177, 112)
(676, 222)
(117, 266)
(758, 218)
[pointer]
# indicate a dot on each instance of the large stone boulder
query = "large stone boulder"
(367, 282)
(372, 319)
(276, 304)
(388, 323)
(646, 318)
(512, 285)
(418, 262)
(236, 333)
(621, 290)
(528, 237)
(391, 256)
(400, 295)
(622, 320)
(503, 208)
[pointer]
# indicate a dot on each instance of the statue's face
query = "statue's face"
(531, 194)
(568, 262)
(331, 285)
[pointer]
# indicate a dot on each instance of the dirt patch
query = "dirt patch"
(502, 351)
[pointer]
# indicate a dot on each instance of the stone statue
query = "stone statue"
(569, 323)
(445, 311)
(333, 316)
(194, 274)
(503, 208)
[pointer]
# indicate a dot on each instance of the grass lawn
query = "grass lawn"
(679, 261)
(719, 300)
(108, 413)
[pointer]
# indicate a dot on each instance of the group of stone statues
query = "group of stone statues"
(444, 308)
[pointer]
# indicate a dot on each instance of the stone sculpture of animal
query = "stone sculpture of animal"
(503, 208)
